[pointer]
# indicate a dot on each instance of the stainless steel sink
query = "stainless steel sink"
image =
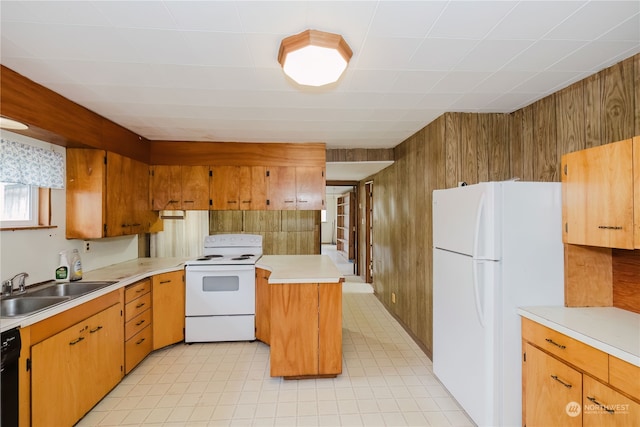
(72, 289)
(25, 305)
(46, 296)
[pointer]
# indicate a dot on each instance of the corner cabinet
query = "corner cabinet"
(296, 188)
(107, 195)
(569, 383)
(168, 297)
(598, 195)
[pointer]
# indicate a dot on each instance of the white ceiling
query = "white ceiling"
(207, 71)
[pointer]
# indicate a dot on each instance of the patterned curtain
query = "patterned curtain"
(30, 165)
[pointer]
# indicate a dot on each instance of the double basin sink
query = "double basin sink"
(46, 296)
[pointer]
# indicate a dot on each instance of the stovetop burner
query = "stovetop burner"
(208, 257)
(241, 257)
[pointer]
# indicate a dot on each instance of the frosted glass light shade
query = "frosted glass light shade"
(314, 58)
(6, 123)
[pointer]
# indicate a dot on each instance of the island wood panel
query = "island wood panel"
(237, 153)
(294, 330)
(534, 156)
(263, 306)
(330, 328)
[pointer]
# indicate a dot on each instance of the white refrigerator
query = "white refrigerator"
(497, 246)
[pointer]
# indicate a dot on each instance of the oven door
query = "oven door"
(213, 290)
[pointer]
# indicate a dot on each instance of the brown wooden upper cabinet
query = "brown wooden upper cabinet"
(598, 195)
(238, 188)
(299, 188)
(179, 187)
(106, 195)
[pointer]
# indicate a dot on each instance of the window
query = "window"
(18, 205)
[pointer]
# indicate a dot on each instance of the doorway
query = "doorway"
(339, 227)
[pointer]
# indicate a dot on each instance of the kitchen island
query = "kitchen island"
(299, 315)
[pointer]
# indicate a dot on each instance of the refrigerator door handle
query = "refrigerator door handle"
(476, 232)
(476, 292)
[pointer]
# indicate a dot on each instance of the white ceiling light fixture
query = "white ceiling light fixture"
(6, 123)
(314, 58)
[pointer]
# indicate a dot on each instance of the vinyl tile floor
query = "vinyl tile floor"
(386, 381)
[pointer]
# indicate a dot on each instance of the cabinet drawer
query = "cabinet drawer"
(573, 351)
(137, 348)
(137, 306)
(603, 406)
(624, 376)
(136, 290)
(137, 324)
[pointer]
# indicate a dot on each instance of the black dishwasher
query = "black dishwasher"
(9, 377)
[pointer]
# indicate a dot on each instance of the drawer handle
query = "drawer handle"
(560, 346)
(95, 330)
(595, 402)
(567, 385)
(188, 201)
(141, 341)
(76, 341)
(165, 281)
(140, 305)
(232, 201)
(139, 290)
(246, 201)
(610, 227)
(140, 322)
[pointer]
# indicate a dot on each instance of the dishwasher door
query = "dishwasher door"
(9, 398)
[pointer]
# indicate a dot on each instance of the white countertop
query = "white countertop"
(123, 274)
(300, 269)
(612, 330)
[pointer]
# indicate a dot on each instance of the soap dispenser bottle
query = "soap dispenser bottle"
(63, 270)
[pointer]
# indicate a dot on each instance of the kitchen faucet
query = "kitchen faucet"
(7, 285)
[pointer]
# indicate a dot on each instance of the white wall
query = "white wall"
(36, 251)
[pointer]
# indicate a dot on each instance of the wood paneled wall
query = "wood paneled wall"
(525, 144)
(283, 232)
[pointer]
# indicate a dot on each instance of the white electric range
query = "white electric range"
(220, 289)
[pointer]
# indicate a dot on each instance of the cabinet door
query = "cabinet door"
(599, 196)
(138, 180)
(552, 391)
(604, 407)
(294, 330)
(263, 306)
(168, 308)
(281, 188)
(85, 207)
(118, 195)
(310, 188)
(102, 368)
(195, 187)
(253, 188)
(224, 191)
(165, 187)
(56, 380)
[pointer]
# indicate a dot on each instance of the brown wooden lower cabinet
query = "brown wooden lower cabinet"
(73, 369)
(306, 329)
(569, 383)
(138, 341)
(168, 308)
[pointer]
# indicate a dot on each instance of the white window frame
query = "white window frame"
(34, 212)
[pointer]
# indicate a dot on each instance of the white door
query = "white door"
(463, 331)
(220, 290)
